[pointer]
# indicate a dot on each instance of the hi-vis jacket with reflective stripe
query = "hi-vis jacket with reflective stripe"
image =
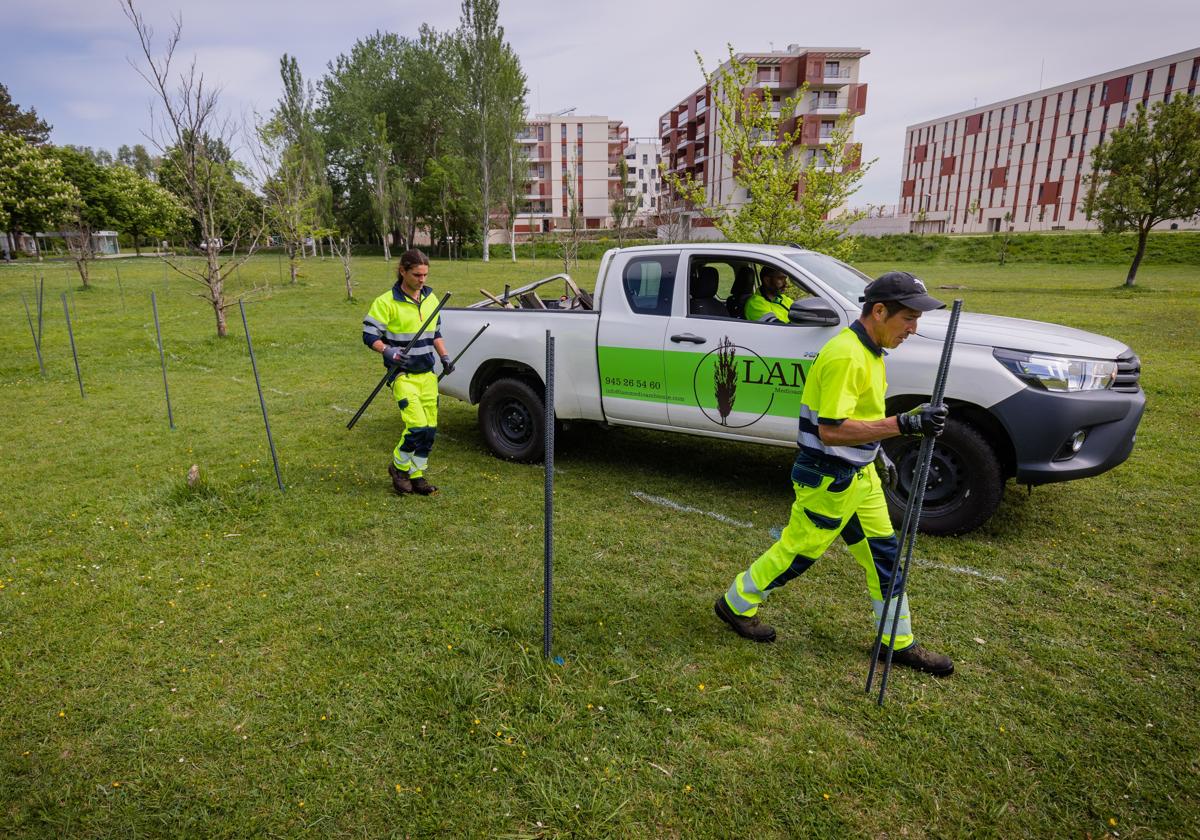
(846, 382)
(395, 318)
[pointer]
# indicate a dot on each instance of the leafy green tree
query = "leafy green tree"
(139, 160)
(493, 83)
(26, 125)
(94, 209)
(791, 196)
(1147, 172)
(34, 191)
(141, 207)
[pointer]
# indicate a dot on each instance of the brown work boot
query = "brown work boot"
(420, 485)
(748, 626)
(920, 659)
(400, 480)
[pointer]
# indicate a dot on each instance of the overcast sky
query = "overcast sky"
(628, 59)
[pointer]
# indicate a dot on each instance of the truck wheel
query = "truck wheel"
(512, 417)
(965, 480)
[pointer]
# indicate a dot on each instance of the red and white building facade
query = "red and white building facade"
(1027, 156)
(689, 140)
(587, 150)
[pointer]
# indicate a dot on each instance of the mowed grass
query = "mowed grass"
(230, 661)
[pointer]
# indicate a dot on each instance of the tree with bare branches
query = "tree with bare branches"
(188, 124)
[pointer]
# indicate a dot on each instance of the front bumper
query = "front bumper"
(1039, 423)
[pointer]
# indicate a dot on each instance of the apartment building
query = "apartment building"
(643, 156)
(687, 131)
(571, 158)
(1028, 156)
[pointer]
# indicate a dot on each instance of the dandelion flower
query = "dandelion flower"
(62, 714)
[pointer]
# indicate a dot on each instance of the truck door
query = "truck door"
(629, 347)
(727, 376)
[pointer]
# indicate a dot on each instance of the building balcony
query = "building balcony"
(827, 104)
(835, 77)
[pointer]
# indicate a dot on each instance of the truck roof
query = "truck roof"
(748, 247)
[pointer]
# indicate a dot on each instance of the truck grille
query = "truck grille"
(1129, 372)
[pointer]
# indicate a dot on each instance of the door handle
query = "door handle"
(688, 337)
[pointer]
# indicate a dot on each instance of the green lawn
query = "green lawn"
(231, 661)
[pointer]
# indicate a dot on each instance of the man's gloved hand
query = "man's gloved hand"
(394, 356)
(447, 366)
(886, 469)
(923, 421)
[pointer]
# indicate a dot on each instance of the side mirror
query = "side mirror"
(812, 312)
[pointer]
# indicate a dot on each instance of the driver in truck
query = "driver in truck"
(769, 303)
(837, 472)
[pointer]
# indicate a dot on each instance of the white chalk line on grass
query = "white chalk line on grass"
(667, 503)
(341, 410)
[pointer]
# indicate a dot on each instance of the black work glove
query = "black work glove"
(886, 469)
(447, 366)
(923, 421)
(395, 357)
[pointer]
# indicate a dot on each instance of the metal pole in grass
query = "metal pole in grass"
(121, 287)
(41, 304)
(162, 359)
(71, 335)
(912, 515)
(548, 571)
(262, 402)
(37, 345)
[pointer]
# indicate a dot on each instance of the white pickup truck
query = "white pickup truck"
(663, 345)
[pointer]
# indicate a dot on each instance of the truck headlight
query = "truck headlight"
(1058, 373)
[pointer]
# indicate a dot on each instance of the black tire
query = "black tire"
(965, 483)
(512, 417)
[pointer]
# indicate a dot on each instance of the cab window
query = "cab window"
(719, 286)
(649, 282)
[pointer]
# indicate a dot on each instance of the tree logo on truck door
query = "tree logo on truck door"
(726, 368)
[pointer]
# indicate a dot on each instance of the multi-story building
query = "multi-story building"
(689, 140)
(571, 159)
(642, 157)
(1027, 157)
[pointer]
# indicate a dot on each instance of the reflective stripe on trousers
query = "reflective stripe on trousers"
(417, 396)
(825, 507)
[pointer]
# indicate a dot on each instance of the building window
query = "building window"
(541, 132)
(1071, 145)
(645, 158)
(564, 130)
(579, 131)
(641, 174)
(1128, 85)
(1073, 95)
(833, 69)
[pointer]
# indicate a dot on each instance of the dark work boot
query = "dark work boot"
(920, 659)
(748, 626)
(400, 480)
(420, 485)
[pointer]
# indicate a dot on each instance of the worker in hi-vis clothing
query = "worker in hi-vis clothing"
(391, 323)
(838, 487)
(769, 303)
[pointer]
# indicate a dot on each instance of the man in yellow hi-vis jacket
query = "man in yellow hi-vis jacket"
(838, 488)
(393, 321)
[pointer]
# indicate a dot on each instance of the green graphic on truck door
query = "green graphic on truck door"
(728, 379)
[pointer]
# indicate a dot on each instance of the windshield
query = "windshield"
(846, 281)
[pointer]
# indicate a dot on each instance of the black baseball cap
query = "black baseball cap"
(901, 287)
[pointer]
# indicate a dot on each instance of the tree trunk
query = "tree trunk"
(1143, 233)
(216, 292)
(292, 265)
(81, 263)
(137, 245)
(487, 218)
(387, 251)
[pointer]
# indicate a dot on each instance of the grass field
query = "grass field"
(230, 661)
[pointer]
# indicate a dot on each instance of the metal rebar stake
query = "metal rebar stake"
(74, 354)
(37, 345)
(912, 513)
(262, 402)
(162, 358)
(548, 570)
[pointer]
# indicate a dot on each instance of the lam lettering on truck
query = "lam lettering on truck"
(728, 374)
